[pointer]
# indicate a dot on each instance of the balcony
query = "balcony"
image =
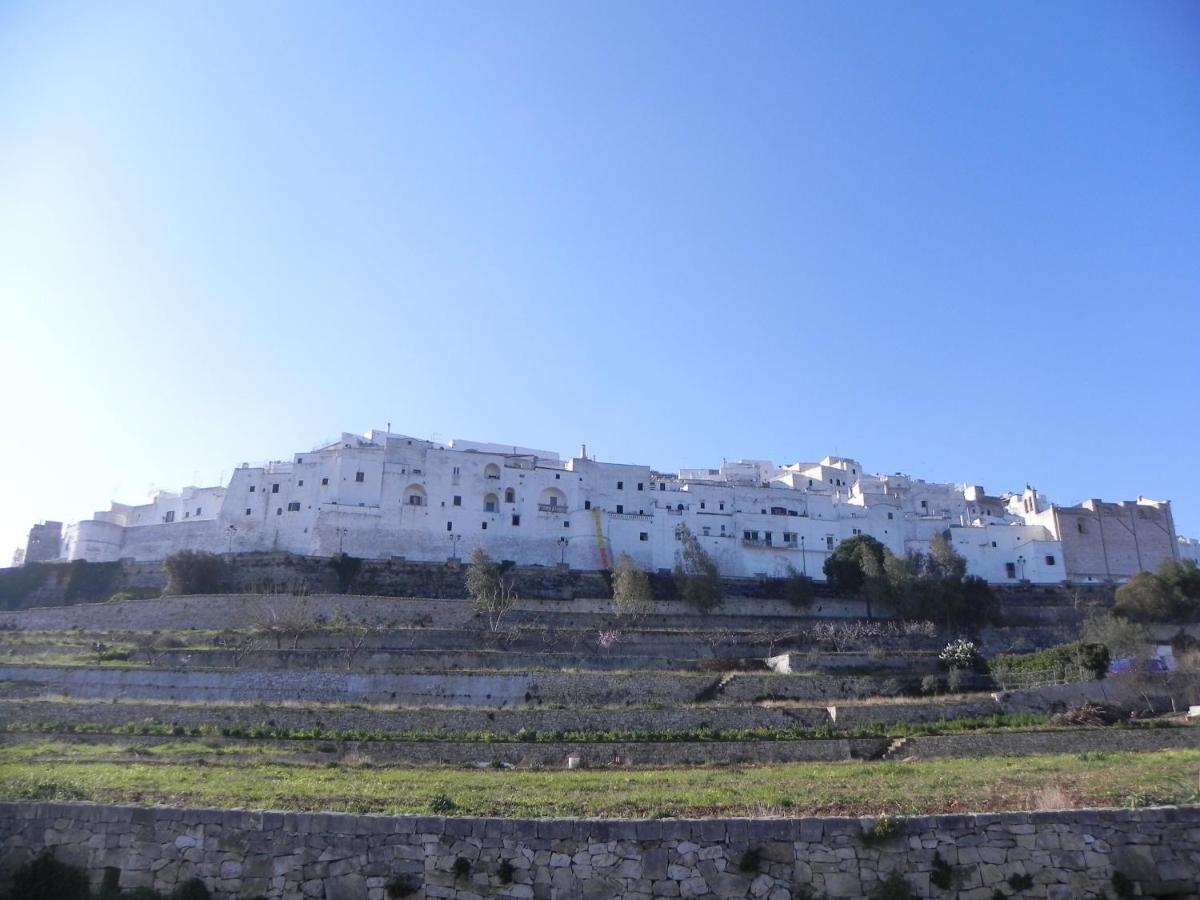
(552, 508)
(764, 544)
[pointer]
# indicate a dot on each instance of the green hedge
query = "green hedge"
(1064, 662)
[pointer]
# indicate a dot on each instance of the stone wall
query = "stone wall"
(1067, 854)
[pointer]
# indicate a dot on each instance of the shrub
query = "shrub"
(631, 589)
(959, 654)
(401, 886)
(799, 590)
(941, 875)
(441, 805)
(192, 889)
(461, 867)
(894, 887)
(45, 878)
(346, 567)
(884, 828)
(1066, 662)
(1020, 882)
(751, 860)
(490, 593)
(697, 576)
(193, 572)
(930, 684)
(1172, 594)
(505, 872)
(1119, 635)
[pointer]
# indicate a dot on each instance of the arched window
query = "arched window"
(510, 496)
(414, 495)
(490, 503)
(491, 470)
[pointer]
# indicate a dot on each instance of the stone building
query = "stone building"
(384, 494)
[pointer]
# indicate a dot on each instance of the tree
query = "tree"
(631, 589)
(696, 575)
(489, 592)
(346, 567)
(1172, 594)
(943, 560)
(193, 572)
(799, 590)
(844, 569)
(1122, 637)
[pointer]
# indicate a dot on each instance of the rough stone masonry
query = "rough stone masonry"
(1066, 855)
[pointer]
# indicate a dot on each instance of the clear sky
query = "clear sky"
(960, 240)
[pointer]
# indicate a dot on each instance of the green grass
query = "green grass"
(960, 785)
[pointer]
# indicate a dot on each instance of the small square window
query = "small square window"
(993, 543)
(275, 489)
(457, 500)
(643, 536)
(556, 476)
(889, 515)
(360, 476)
(722, 507)
(639, 485)
(620, 509)
(253, 489)
(279, 511)
(516, 520)
(247, 510)
(301, 483)
(324, 481)
(587, 504)
(702, 504)
(483, 526)
(1049, 560)
(566, 523)
(620, 485)
(293, 507)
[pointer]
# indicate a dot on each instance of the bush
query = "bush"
(401, 886)
(697, 576)
(192, 889)
(959, 654)
(894, 887)
(346, 568)
(631, 589)
(45, 878)
(441, 805)
(193, 572)
(799, 590)
(1172, 594)
(1066, 662)
(1120, 636)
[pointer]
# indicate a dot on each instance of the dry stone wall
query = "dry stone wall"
(1066, 855)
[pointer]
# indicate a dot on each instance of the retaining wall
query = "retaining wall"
(1067, 854)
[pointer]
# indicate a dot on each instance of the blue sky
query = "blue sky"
(956, 240)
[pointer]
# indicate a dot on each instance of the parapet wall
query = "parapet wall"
(1066, 854)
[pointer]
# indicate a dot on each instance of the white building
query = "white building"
(385, 495)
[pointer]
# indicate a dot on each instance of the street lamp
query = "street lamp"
(341, 533)
(562, 551)
(231, 532)
(1021, 566)
(454, 539)
(803, 556)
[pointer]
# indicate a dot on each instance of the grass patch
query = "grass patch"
(912, 788)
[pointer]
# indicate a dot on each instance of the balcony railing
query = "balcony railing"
(552, 508)
(769, 545)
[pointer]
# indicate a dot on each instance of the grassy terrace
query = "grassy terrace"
(935, 786)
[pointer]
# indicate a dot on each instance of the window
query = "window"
(566, 523)
(170, 516)
(510, 496)
(768, 537)
(620, 485)
(416, 500)
(456, 470)
(662, 485)
(360, 476)
(829, 542)
(557, 476)
(1049, 559)
(275, 489)
(252, 489)
(639, 485)
(1010, 569)
(587, 504)
(301, 482)
(745, 535)
(620, 509)
(789, 537)
(490, 503)
(279, 511)
(643, 536)
(924, 504)
(324, 481)
(1082, 527)
(516, 520)
(247, 510)
(293, 507)
(187, 515)
(993, 543)
(457, 500)
(889, 515)
(722, 505)
(702, 504)
(449, 526)
(483, 526)
(705, 530)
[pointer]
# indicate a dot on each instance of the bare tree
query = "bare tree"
(491, 594)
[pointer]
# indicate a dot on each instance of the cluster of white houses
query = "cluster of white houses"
(384, 495)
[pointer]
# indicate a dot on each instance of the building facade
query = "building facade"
(383, 495)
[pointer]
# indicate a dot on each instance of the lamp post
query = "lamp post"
(341, 533)
(803, 556)
(1021, 566)
(232, 530)
(562, 551)
(454, 539)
